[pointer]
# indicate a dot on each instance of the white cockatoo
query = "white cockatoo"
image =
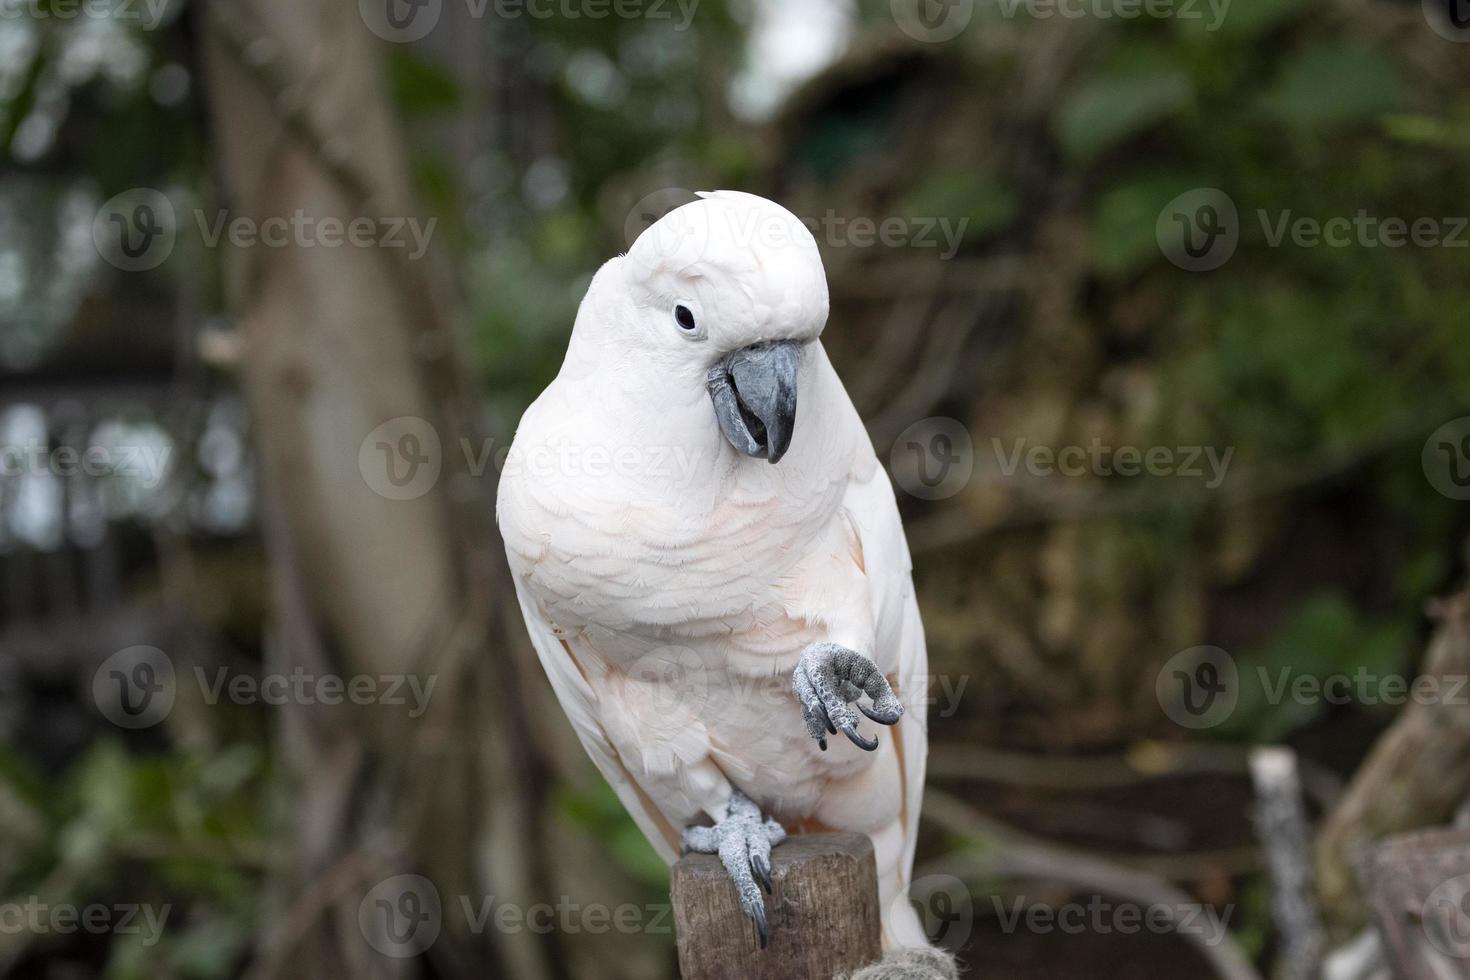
(710, 561)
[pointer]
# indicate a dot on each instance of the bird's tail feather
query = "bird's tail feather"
(917, 963)
(901, 925)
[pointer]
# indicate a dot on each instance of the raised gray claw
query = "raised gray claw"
(743, 840)
(830, 677)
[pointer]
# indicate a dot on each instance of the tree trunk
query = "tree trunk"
(383, 558)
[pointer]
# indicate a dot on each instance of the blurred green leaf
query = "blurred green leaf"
(1333, 83)
(1107, 110)
(419, 86)
(208, 945)
(1240, 19)
(602, 814)
(1326, 637)
(975, 195)
(1428, 131)
(1121, 235)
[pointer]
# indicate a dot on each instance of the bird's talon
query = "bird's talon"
(867, 745)
(891, 719)
(743, 842)
(762, 869)
(829, 678)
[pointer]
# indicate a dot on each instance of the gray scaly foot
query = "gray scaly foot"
(743, 840)
(827, 679)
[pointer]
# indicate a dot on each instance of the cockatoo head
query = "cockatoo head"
(725, 293)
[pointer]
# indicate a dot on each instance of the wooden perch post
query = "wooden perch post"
(823, 913)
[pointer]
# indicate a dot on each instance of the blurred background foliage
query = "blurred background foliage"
(1058, 321)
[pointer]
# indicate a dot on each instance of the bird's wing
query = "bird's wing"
(898, 647)
(653, 751)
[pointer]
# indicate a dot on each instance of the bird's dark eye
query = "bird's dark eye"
(685, 318)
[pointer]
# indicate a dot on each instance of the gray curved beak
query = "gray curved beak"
(754, 394)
